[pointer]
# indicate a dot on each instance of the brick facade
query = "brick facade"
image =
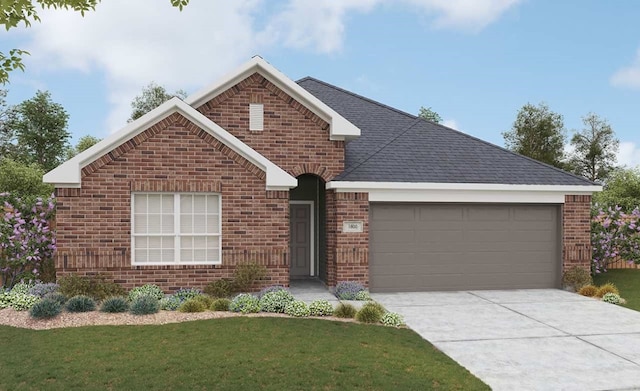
(576, 232)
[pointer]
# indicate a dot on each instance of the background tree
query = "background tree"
(538, 133)
(40, 127)
(151, 97)
(622, 188)
(14, 12)
(7, 135)
(83, 144)
(430, 115)
(23, 180)
(595, 149)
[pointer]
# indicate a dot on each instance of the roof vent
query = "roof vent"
(256, 116)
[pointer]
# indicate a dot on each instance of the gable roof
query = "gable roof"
(69, 174)
(339, 127)
(399, 147)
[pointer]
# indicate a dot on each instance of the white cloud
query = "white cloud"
(467, 15)
(450, 123)
(629, 76)
(629, 154)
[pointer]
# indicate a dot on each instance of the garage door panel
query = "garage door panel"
(464, 246)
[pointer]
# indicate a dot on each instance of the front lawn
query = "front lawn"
(228, 354)
(627, 281)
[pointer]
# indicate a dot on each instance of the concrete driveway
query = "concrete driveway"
(541, 339)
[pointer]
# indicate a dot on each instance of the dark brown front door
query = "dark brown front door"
(300, 241)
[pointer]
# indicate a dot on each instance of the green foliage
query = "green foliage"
(56, 296)
(537, 133)
(151, 97)
(607, 288)
(115, 305)
(219, 288)
(627, 281)
(588, 290)
(45, 309)
(576, 277)
(23, 180)
(275, 301)
(344, 310)
(10, 62)
(170, 303)
(320, 308)
(5, 299)
(187, 293)
(192, 305)
(363, 295)
(204, 299)
(246, 275)
(220, 305)
(146, 290)
(245, 303)
(595, 149)
(297, 308)
(430, 115)
(622, 188)
(83, 144)
(612, 298)
(144, 305)
(80, 303)
(370, 313)
(22, 301)
(23, 287)
(96, 287)
(392, 319)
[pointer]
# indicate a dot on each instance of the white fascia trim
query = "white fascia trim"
(339, 127)
(68, 174)
(462, 192)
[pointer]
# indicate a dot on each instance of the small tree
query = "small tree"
(83, 144)
(595, 149)
(152, 96)
(429, 114)
(621, 188)
(23, 180)
(615, 234)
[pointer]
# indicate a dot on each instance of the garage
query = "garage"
(427, 247)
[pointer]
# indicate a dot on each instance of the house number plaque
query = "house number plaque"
(352, 226)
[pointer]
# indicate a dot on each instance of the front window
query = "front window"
(181, 228)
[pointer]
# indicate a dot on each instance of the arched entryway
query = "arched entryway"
(307, 241)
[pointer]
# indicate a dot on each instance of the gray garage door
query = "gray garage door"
(420, 247)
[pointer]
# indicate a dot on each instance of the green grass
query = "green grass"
(627, 281)
(228, 354)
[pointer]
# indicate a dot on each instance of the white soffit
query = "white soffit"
(68, 174)
(462, 192)
(339, 127)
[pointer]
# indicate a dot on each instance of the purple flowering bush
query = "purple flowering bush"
(615, 234)
(26, 241)
(348, 290)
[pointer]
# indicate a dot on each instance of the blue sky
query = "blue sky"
(476, 62)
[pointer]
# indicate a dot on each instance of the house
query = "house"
(313, 181)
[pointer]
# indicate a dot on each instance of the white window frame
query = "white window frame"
(176, 230)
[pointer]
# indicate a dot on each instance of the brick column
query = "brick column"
(576, 232)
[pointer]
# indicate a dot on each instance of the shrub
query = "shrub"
(192, 305)
(363, 296)
(320, 308)
(376, 305)
(146, 290)
(348, 290)
(614, 234)
(576, 277)
(57, 296)
(96, 287)
(219, 288)
(247, 274)
(42, 289)
(369, 314)
(45, 309)
(588, 290)
(392, 319)
(23, 287)
(170, 303)
(185, 294)
(345, 311)
(5, 299)
(144, 305)
(220, 305)
(115, 305)
(275, 301)
(272, 288)
(204, 299)
(297, 308)
(245, 303)
(22, 301)
(607, 288)
(612, 298)
(80, 303)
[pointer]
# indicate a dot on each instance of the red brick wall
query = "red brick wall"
(576, 231)
(174, 156)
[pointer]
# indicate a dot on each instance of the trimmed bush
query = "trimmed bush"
(45, 309)
(297, 308)
(612, 298)
(57, 296)
(185, 294)
(23, 287)
(96, 287)
(607, 288)
(245, 303)
(219, 288)
(246, 275)
(320, 308)
(272, 288)
(392, 319)
(22, 301)
(144, 305)
(146, 290)
(170, 303)
(348, 290)
(41, 289)
(115, 305)
(220, 305)
(588, 290)
(345, 311)
(377, 306)
(192, 305)
(576, 277)
(369, 314)
(80, 303)
(275, 301)
(363, 296)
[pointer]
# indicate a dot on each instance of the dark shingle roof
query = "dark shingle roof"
(395, 146)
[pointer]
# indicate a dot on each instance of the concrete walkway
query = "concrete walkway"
(311, 290)
(529, 339)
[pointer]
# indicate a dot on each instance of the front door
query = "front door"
(300, 242)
